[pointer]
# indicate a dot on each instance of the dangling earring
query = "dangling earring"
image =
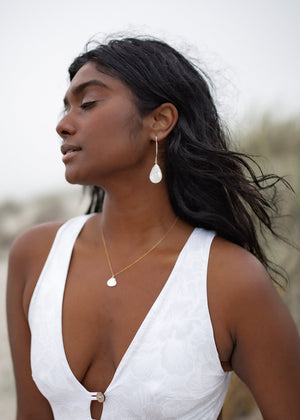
(155, 174)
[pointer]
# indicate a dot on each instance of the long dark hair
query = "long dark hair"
(209, 186)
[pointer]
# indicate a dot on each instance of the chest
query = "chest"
(170, 362)
(156, 339)
(100, 322)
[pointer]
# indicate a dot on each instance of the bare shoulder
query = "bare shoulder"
(34, 240)
(260, 339)
(239, 271)
(27, 256)
(243, 288)
(235, 280)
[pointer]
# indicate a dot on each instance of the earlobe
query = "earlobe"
(164, 118)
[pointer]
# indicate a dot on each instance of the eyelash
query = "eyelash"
(87, 105)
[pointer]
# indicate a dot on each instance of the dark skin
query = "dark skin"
(253, 330)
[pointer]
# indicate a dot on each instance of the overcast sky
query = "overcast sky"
(249, 47)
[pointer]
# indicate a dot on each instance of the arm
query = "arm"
(28, 249)
(267, 351)
(265, 342)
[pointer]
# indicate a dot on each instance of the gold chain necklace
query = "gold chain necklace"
(112, 281)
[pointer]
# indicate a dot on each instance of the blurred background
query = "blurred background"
(250, 49)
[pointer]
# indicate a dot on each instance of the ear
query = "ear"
(162, 120)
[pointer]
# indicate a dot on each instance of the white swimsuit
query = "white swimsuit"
(171, 370)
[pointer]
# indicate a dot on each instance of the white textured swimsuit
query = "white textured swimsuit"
(171, 370)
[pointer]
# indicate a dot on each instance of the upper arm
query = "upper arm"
(266, 352)
(30, 402)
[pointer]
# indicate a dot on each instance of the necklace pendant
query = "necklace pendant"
(112, 282)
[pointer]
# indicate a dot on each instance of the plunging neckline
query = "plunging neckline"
(130, 349)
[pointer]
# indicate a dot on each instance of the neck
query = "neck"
(134, 215)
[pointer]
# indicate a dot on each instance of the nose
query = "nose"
(65, 127)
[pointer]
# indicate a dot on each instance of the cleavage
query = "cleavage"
(99, 323)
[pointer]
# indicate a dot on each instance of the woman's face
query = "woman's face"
(102, 131)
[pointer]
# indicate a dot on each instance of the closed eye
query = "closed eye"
(87, 105)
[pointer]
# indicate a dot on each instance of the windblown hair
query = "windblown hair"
(209, 186)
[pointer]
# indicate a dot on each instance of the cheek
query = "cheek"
(115, 127)
(123, 117)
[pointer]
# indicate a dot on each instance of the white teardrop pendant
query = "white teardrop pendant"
(112, 282)
(155, 174)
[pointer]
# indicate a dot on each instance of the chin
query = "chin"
(75, 178)
(83, 176)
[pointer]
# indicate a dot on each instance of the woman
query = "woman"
(140, 309)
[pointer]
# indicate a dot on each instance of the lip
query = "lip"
(69, 151)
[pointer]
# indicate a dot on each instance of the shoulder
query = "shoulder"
(242, 297)
(33, 246)
(236, 267)
(34, 241)
(27, 256)
(260, 339)
(240, 280)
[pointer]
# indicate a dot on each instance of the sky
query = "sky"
(250, 48)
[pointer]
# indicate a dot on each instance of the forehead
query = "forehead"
(88, 72)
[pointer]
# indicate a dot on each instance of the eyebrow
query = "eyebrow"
(76, 90)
